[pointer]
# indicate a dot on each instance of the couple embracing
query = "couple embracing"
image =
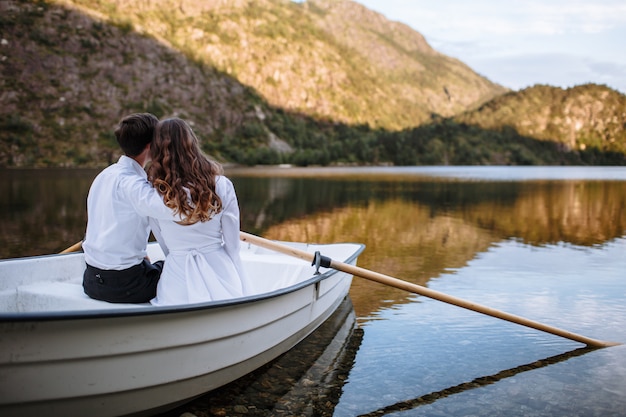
(189, 205)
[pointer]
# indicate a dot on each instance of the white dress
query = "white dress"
(202, 260)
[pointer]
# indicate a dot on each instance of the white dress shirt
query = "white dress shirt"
(118, 205)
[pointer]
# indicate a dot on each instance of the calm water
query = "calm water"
(548, 244)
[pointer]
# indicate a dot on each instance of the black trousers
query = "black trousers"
(136, 284)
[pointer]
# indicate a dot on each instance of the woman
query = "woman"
(201, 241)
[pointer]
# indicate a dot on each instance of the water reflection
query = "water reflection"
(579, 212)
(43, 211)
(424, 346)
(402, 240)
(417, 230)
(475, 383)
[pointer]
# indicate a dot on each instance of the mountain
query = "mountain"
(541, 125)
(324, 58)
(72, 69)
(266, 82)
(578, 118)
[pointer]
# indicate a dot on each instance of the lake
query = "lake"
(545, 243)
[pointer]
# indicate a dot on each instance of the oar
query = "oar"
(75, 247)
(418, 289)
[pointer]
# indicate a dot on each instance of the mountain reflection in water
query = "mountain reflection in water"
(417, 230)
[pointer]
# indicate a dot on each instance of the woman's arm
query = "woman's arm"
(231, 225)
(156, 231)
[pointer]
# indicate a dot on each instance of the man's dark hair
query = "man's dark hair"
(135, 131)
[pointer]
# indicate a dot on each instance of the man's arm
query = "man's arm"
(146, 200)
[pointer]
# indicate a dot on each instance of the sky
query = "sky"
(520, 43)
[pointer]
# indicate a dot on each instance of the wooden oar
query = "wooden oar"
(418, 289)
(75, 247)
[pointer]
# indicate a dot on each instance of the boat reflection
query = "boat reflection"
(306, 381)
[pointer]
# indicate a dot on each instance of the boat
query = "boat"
(62, 353)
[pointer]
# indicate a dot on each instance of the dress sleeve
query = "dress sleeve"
(231, 226)
(156, 230)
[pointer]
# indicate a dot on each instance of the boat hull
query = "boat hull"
(124, 362)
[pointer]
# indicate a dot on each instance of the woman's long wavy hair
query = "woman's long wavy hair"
(182, 174)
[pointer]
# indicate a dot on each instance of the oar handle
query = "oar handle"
(277, 247)
(427, 292)
(76, 246)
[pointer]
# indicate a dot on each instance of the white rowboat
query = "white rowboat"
(62, 353)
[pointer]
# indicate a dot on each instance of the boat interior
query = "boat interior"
(54, 282)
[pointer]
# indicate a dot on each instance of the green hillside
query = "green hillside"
(579, 118)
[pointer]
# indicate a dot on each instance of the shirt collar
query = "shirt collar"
(134, 165)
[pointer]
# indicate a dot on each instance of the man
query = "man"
(119, 202)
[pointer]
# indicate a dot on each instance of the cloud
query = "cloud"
(520, 43)
(482, 18)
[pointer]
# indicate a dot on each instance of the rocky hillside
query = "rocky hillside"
(71, 69)
(69, 77)
(586, 116)
(325, 58)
